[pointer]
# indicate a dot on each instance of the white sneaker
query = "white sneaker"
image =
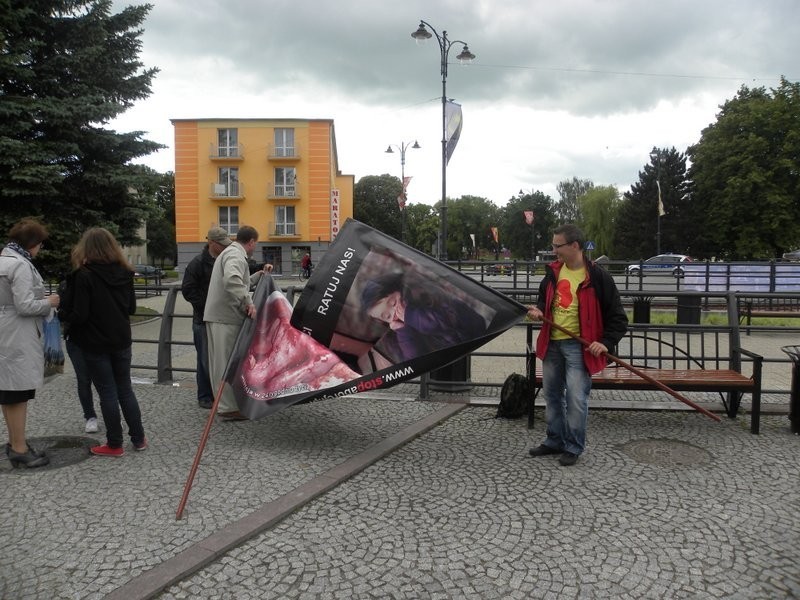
(91, 425)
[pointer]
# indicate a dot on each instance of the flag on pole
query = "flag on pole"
(454, 122)
(528, 216)
(661, 211)
(374, 313)
(495, 235)
(401, 199)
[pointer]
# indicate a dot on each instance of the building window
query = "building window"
(228, 182)
(229, 219)
(284, 220)
(284, 142)
(285, 182)
(228, 142)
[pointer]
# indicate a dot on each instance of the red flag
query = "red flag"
(401, 199)
(528, 216)
(495, 234)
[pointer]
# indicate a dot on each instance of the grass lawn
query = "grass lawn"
(669, 317)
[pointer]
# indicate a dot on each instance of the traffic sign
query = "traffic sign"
(589, 246)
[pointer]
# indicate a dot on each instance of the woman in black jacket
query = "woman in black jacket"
(99, 324)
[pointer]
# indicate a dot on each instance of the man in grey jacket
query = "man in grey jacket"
(227, 306)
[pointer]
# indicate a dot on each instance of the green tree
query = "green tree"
(638, 222)
(465, 216)
(164, 196)
(375, 203)
(599, 207)
(161, 222)
(568, 208)
(516, 234)
(422, 227)
(746, 175)
(67, 68)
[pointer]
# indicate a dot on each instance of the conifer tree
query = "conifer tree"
(67, 69)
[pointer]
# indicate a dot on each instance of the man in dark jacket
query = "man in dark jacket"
(582, 298)
(195, 289)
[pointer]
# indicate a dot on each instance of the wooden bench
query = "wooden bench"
(695, 376)
(770, 308)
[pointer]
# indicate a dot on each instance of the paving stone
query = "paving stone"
(461, 511)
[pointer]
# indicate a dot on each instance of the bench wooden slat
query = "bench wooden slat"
(698, 380)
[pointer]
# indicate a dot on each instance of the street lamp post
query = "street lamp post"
(655, 156)
(402, 148)
(421, 35)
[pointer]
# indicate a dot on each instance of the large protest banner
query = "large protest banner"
(374, 313)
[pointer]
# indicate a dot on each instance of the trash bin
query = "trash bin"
(689, 309)
(641, 310)
(454, 377)
(794, 395)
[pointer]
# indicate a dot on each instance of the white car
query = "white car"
(663, 263)
(793, 255)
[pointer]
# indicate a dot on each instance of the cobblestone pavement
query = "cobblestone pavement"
(370, 504)
(463, 513)
(660, 505)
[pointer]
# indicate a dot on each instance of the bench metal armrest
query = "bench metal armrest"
(758, 363)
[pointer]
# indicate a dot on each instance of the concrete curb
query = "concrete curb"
(152, 582)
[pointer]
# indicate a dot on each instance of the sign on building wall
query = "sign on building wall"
(335, 214)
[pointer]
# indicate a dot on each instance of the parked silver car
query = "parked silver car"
(147, 271)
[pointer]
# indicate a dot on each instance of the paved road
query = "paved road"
(383, 495)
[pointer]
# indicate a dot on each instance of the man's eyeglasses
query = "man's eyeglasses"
(557, 246)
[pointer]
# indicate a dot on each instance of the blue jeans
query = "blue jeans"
(566, 385)
(82, 376)
(204, 391)
(111, 375)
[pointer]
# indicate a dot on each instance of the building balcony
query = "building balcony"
(283, 230)
(226, 153)
(282, 191)
(227, 191)
(283, 153)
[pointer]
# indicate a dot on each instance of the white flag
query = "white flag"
(454, 122)
(661, 211)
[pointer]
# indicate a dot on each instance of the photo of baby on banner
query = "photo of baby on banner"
(374, 313)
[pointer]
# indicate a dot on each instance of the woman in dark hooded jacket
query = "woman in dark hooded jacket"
(99, 323)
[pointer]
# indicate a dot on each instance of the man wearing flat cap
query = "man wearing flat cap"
(228, 304)
(194, 288)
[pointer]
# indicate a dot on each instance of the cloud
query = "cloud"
(576, 88)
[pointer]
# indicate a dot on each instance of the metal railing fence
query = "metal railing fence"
(707, 345)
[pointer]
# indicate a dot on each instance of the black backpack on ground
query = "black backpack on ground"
(514, 397)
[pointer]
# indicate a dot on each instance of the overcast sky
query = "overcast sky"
(575, 88)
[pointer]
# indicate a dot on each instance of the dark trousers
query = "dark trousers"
(111, 375)
(202, 377)
(82, 376)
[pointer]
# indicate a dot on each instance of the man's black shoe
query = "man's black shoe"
(543, 450)
(205, 403)
(568, 459)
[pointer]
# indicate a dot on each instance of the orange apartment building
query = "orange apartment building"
(280, 176)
